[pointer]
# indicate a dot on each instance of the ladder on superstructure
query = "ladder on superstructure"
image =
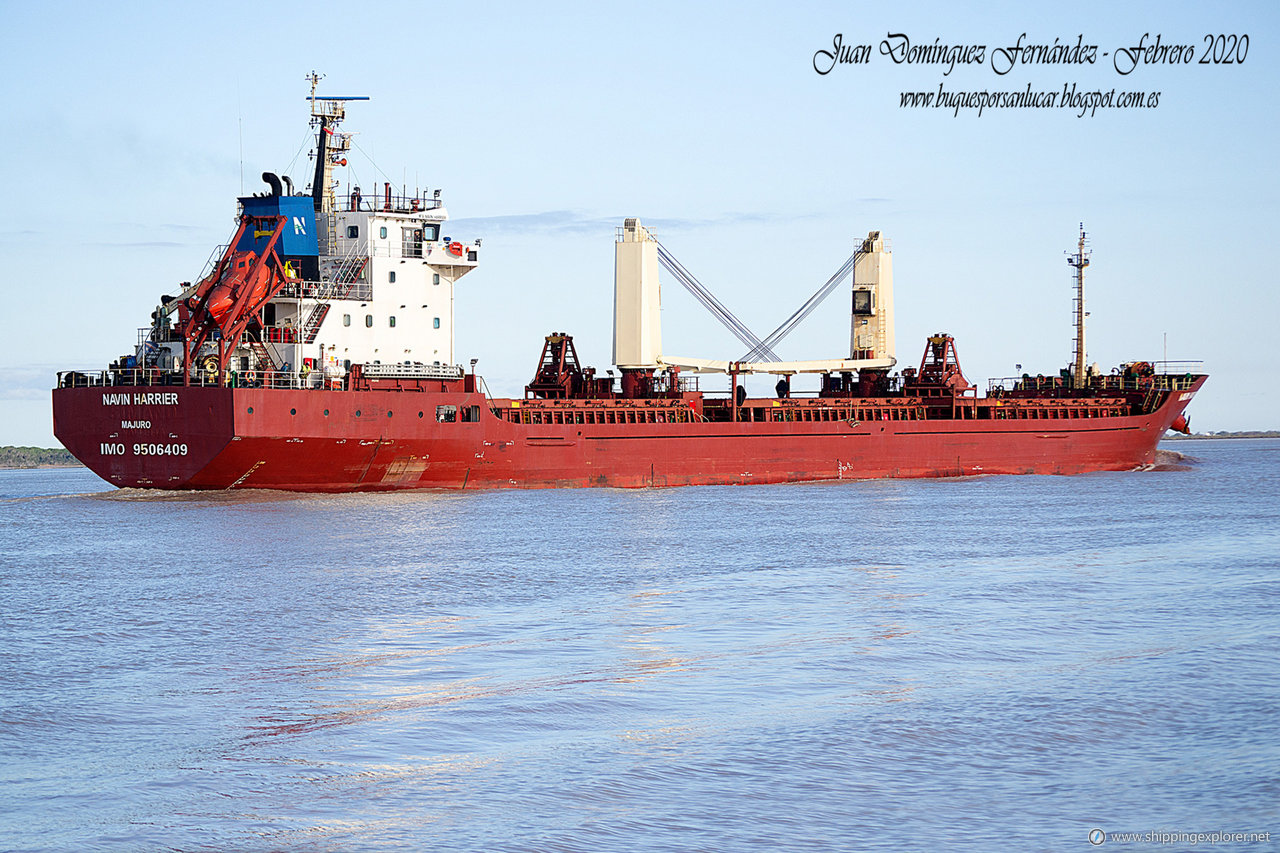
(262, 357)
(311, 329)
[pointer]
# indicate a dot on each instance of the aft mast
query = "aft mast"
(1079, 260)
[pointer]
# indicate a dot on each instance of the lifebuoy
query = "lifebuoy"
(455, 249)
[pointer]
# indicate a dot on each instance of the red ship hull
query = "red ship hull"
(336, 441)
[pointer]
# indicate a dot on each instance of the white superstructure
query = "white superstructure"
(388, 284)
(379, 289)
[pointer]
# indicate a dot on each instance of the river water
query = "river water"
(988, 663)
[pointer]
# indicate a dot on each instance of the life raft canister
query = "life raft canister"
(455, 249)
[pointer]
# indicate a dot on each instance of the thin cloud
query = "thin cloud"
(27, 382)
(580, 222)
(147, 244)
(550, 221)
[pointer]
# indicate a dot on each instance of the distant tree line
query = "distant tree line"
(34, 457)
(1256, 433)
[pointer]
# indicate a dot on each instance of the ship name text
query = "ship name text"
(141, 398)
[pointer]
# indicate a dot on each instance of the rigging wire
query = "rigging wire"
(763, 348)
(306, 138)
(372, 162)
(708, 300)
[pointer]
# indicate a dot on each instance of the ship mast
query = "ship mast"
(332, 145)
(1079, 260)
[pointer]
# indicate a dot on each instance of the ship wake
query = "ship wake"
(1172, 460)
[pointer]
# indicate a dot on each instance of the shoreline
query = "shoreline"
(1224, 435)
(44, 465)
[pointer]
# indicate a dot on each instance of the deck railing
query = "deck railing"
(377, 202)
(154, 377)
(1179, 367)
(360, 291)
(1171, 381)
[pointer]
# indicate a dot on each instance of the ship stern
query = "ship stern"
(156, 437)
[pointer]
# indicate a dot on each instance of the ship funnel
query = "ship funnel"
(871, 329)
(637, 299)
(272, 181)
(288, 184)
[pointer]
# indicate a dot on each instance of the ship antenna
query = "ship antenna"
(327, 113)
(240, 130)
(1079, 260)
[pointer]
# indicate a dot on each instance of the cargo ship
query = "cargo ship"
(316, 353)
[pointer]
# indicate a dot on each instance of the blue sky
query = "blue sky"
(546, 124)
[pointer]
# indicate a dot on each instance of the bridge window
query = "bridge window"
(368, 321)
(411, 242)
(435, 323)
(431, 232)
(382, 232)
(391, 276)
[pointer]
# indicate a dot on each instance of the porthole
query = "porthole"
(326, 413)
(251, 410)
(391, 276)
(419, 413)
(382, 232)
(388, 414)
(357, 413)
(293, 411)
